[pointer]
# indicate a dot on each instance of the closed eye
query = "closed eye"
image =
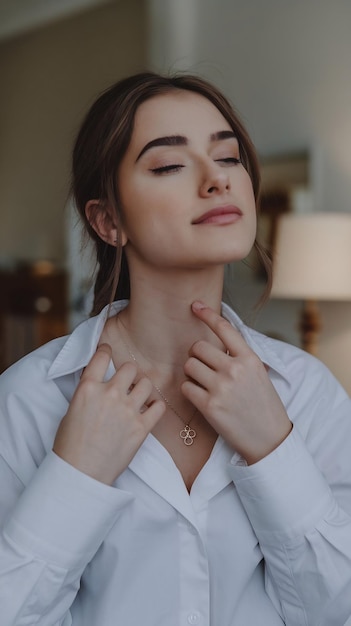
(229, 161)
(166, 169)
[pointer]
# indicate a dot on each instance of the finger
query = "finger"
(153, 413)
(141, 391)
(125, 376)
(229, 336)
(197, 395)
(99, 363)
(212, 356)
(208, 354)
(200, 373)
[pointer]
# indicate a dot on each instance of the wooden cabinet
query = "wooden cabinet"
(33, 310)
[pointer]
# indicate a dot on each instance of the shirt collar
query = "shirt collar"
(81, 345)
(262, 345)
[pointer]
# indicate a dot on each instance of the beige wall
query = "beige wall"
(48, 78)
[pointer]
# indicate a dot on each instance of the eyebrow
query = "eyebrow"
(180, 140)
(172, 140)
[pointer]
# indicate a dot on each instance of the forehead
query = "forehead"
(178, 112)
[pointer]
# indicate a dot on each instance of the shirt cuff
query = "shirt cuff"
(284, 494)
(63, 515)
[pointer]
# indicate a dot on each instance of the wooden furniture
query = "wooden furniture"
(33, 310)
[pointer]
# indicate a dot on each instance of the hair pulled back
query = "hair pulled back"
(101, 144)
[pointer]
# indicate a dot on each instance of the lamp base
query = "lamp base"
(310, 326)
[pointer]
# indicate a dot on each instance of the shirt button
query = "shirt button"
(193, 618)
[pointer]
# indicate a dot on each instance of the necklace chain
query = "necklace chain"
(187, 434)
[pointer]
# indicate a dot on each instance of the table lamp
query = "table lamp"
(312, 262)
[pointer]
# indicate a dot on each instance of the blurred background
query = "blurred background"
(284, 65)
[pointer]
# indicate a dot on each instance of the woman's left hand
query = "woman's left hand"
(233, 391)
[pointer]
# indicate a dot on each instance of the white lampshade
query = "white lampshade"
(312, 258)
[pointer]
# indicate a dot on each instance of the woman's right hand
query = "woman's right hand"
(107, 422)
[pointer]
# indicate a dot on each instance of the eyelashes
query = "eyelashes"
(177, 167)
(165, 169)
(229, 161)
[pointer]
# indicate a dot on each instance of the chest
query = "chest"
(189, 446)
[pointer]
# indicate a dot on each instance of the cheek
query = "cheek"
(249, 198)
(251, 210)
(247, 187)
(142, 202)
(144, 214)
(133, 204)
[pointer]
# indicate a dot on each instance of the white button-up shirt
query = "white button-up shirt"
(266, 544)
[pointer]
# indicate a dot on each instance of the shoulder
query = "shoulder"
(300, 378)
(32, 368)
(36, 391)
(31, 408)
(314, 399)
(300, 367)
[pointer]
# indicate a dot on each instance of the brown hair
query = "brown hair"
(102, 142)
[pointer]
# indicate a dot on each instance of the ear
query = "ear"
(102, 220)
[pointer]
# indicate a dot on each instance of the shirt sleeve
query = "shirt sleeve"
(48, 537)
(298, 500)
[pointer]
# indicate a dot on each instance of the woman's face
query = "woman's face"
(186, 199)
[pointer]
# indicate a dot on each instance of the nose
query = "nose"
(215, 180)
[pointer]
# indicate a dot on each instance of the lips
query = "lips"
(220, 215)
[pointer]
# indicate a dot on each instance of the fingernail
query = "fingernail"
(198, 305)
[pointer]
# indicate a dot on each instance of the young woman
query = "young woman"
(166, 465)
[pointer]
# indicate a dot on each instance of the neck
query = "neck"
(159, 320)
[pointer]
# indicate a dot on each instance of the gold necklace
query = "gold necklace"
(187, 434)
